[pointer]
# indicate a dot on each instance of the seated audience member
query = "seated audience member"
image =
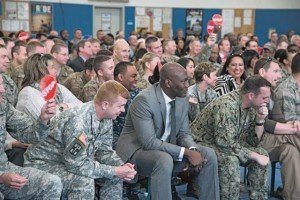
(19, 56)
(224, 50)
(180, 51)
(22, 182)
(202, 93)
(189, 65)
(232, 125)
(138, 57)
(76, 81)
(160, 139)
(104, 69)
(126, 74)
(280, 138)
(281, 56)
(84, 51)
(169, 48)
(121, 51)
(48, 45)
(95, 46)
(18, 74)
(149, 62)
(288, 92)
(252, 45)
(195, 51)
(153, 45)
(78, 148)
(105, 52)
(250, 57)
(232, 75)
(11, 94)
(60, 55)
(268, 50)
(30, 100)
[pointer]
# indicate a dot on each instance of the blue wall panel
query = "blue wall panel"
(281, 20)
(72, 16)
(178, 20)
(129, 20)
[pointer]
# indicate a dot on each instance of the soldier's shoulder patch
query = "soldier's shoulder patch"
(77, 146)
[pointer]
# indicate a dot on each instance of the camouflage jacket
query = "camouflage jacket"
(75, 83)
(20, 126)
(227, 127)
(78, 143)
(64, 73)
(203, 98)
(18, 76)
(11, 90)
(289, 94)
(90, 89)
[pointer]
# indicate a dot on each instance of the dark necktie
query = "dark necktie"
(173, 123)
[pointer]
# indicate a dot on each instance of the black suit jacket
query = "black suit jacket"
(77, 64)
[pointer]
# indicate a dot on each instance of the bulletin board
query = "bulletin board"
(154, 19)
(14, 16)
(238, 21)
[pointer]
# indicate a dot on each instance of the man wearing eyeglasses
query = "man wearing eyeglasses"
(60, 54)
(280, 138)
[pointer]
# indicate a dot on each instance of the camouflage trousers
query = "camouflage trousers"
(77, 187)
(41, 185)
(229, 175)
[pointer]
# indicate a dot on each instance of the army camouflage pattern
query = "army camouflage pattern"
(18, 76)
(203, 99)
(41, 184)
(119, 122)
(142, 83)
(90, 89)
(9, 71)
(289, 94)
(166, 59)
(230, 130)
(11, 90)
(79, 150)
(75, 83)
(64, 73)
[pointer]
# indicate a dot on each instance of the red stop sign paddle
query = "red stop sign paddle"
(210, 27)
(217, 19)
(48, 86)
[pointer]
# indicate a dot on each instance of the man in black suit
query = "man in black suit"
(156, 137)
(84, 49)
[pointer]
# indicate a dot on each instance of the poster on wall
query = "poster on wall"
(41, 17)
(23, 10)
(194, 22)
(11, 10)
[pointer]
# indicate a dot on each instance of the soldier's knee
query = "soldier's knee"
(54, 182)
(288, 151)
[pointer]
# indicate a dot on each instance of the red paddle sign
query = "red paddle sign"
(48, 86)
(217, 19)
(210, 27)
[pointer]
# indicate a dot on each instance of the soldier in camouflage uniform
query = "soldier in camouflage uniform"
(126, 74)
(281, 137)
(233, 125)
(76, 81)
(104, 67)
(18, 74)
(169, 48)
(60, 54)
(79, 147)
(11, 94)
(18, 182)
(19, 56)
(201, 93)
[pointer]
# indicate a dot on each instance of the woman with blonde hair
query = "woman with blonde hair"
(149, 63)
(30, 100)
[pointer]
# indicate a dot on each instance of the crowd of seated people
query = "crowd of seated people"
(148, 107)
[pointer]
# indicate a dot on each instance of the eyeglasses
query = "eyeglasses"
(269, 59)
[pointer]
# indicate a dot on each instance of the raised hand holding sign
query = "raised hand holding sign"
(48, 87)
